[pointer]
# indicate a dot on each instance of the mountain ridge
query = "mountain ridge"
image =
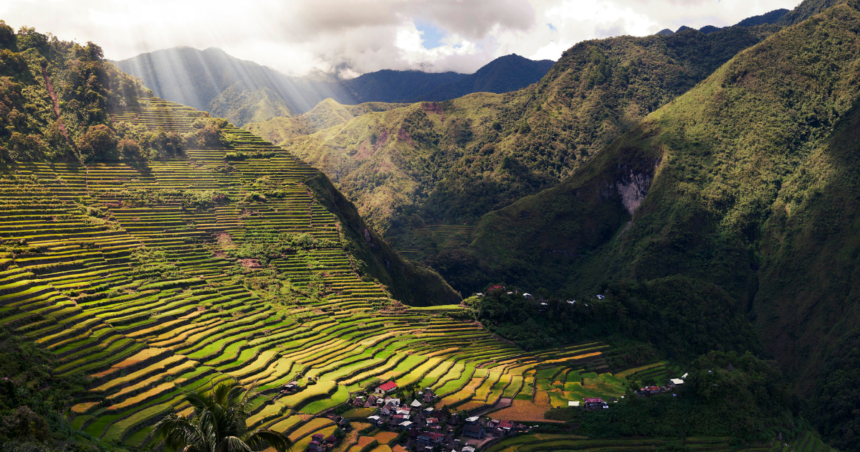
(763, 207)
(244, 91)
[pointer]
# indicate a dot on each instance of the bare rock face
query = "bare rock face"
(633, 190)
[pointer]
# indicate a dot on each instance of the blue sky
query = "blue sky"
(432, 35)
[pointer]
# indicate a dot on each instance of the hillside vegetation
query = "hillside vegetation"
(412, 169)
(745, 183)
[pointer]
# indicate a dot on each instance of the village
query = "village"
(419, 426)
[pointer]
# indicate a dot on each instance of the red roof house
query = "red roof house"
(386, 388)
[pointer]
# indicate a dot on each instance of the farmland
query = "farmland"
(158, 278)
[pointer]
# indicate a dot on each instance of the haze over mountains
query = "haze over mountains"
(244, 92)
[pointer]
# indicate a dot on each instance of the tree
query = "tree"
(218, 424)
(98, 143)
(7, 35)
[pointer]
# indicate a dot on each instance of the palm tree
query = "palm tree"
(218, 424)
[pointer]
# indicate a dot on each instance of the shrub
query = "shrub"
(98, 143)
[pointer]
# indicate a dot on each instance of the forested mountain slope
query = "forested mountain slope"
(245, 92)
(450, 162)
(747, 185)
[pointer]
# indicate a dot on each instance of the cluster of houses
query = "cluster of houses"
(321, 443)
(673, 385)
(427, 428)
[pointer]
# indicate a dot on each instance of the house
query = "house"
(648, 390)
(428, 397)
(315, 446)
(386, 388)
(467, 449)
(472, 420)
(431, 421)
(495, 288)
(403, 411)
(493, 423)
(292, 386)
(371, 401)
(373, 418)
(600, 297)
(405, 425)
(573, 404)
(506, 425)
(331, 439)
(358, 402)
(318, 438)
(475, 430)
(527, 296)
(675, 382)
(387, 410)
(415, 404)
(593, 403)
(391, 400)
(398, 418)
(431, 438)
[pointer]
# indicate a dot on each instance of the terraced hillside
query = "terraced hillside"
(138, 277)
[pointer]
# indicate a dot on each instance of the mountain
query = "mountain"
(417, 172)
(245, 92)
(807, 9)
(504, 74)
(772, 17)
(396, 86)
(764, 19)
(746, 186)
(237, 90)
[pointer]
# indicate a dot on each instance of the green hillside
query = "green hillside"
(324, 115)
(746, 184)
(448, 163)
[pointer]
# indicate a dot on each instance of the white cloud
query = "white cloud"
(357, 36)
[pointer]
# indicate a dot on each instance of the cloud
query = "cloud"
(357, 36)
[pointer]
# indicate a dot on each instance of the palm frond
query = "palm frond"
(178, 432)
(260, 438)
(233, 444)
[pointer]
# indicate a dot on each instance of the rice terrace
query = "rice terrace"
(112, 271)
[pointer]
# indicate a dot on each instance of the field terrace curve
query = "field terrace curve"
(145, 340)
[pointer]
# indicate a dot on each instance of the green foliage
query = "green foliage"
(265, 245)
(452, 162)
(750, 403)
(98, 143)
(218, 423)
(837, 396)
(32, 400)
(152, 263)
(682, 318)
(203, 199)
(746, 185)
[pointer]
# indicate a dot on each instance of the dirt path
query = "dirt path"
(53, 95)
